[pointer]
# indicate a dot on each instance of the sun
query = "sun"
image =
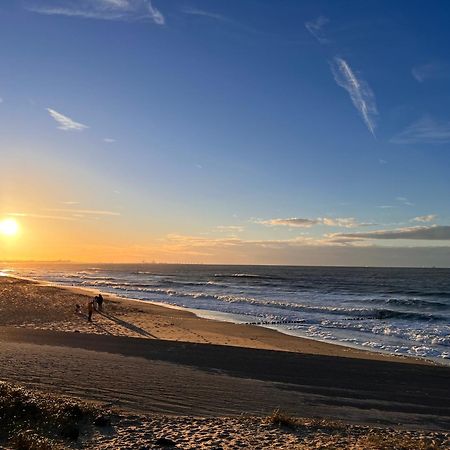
(9, 227)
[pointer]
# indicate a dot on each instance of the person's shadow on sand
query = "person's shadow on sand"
(102, 328)
(127, 325)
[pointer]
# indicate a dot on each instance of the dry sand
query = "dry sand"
(191, 377)
(255, 433)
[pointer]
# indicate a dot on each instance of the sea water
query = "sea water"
(397, 310)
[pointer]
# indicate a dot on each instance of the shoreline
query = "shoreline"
(228, 332)
(220, 316)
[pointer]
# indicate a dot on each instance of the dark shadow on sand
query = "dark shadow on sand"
(102, 328)
(127, 325)
(359, 384)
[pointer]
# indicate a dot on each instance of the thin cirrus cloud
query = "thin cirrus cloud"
(66, 123)
(424, 131)
(68, 213)
(39, 216)
(404, 201)
(229, 228)
(297, 222)
(316, 28)
(360, 92)
(203, 13)
(84, 211)
(430, 71)
(120, 10)
(429, 233)
(109, 140)
(200, 13)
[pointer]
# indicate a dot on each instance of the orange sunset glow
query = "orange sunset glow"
(9, 227)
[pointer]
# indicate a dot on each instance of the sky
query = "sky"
(226, 131)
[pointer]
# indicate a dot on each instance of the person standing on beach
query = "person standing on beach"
(90, 310)
(100, 302)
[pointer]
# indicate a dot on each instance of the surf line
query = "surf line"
(287, 322)
(277, 322)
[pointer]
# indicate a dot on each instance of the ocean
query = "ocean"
(396, 310)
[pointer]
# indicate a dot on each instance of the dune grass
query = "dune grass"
(337, 434)
(37, 421)
(283, 419)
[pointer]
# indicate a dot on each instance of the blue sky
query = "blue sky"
(245, 131)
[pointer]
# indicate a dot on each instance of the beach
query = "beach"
(215, 380)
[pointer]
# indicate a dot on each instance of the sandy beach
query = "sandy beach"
(210, 384)
(40, 306)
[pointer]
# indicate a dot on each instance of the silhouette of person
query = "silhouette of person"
(90, 310)
(100, 302)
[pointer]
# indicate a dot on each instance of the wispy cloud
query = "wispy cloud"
(70, 202)
(203, 13)
(291, 222)
(109, 140)
(65, 213)
(1, 100)
(424, 131)
(39, 216)
(427, 218)
(66, 123)
(316, 26)
(430, 71)
(360, 93)
(404, 201)
(95, 212)
(123, 10)
(343, 222)
(230, 228)
(429, 233)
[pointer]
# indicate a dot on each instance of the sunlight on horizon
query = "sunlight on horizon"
(9, 227)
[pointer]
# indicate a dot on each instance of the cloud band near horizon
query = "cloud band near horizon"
(344, 222)
(429, 233)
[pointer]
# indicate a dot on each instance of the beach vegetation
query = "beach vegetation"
(283, 419)
(337, 434)
(38, 421)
